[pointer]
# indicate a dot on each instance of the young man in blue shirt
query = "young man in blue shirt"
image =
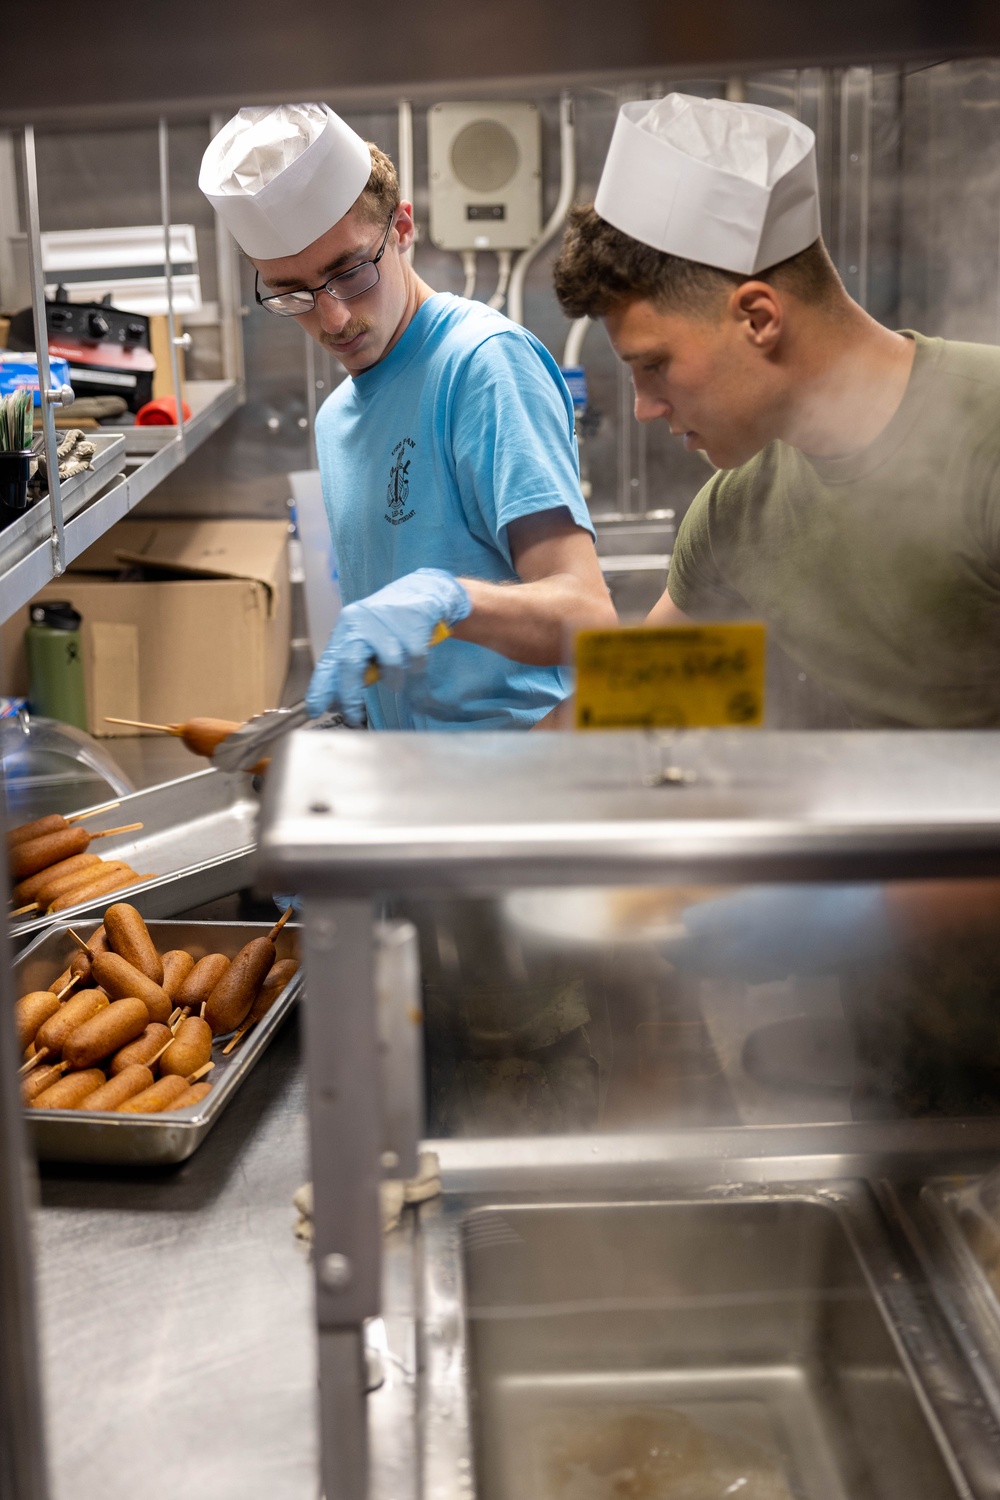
(448, 459)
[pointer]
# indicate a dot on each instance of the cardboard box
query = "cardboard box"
(204, 629)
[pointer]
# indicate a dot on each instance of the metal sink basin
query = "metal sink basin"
(741, 1346)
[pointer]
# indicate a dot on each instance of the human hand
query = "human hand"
(768, 932)
(392, 627)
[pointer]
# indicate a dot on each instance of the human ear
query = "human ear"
(404, 225)
(757, 308)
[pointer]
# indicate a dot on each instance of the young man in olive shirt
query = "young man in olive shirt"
(857, 511)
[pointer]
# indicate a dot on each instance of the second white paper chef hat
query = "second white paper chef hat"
(731, 185)
(280, 176)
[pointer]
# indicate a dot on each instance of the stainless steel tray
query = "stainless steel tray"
(198, 839)
(771, 1330)
(959, 1249)
(131, 1140)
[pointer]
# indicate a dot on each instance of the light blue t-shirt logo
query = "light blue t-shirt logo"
(399, 484)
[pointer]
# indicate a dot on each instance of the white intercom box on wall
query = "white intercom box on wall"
(485, 175)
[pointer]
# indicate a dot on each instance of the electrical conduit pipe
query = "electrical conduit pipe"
(567, 187)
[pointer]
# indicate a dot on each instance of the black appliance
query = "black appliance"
(108, 350)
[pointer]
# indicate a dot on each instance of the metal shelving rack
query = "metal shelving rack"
(150, 453)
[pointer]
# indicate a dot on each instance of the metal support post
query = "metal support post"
(175, 375)
(404, 157)
(49, 397)
(855, 181)
(22, 1438)
(342, 1057)
(227, 263)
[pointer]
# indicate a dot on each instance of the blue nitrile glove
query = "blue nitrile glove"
(771, 931)
(284, 902)
(392, 628)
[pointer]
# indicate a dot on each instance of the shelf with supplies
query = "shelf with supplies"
(130, 461)
(150, 453)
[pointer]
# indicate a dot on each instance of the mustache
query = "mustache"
(360, 325)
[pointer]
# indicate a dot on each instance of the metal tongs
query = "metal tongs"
(253, 740)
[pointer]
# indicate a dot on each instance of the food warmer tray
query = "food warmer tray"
(153, 1140)
(197, 838)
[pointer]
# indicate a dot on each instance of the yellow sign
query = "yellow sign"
(675, 677)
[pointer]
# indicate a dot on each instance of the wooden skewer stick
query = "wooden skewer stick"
(280, 923)
(59, 1069)
(33, 1062)
(140, 724)
(106, 833)
(78, 939)
(157, 1055)
(202, 1011)
(31, 906)
(92, 813)
(233, 1040)
(205, 1068)
(175, 1017)
(67, 987)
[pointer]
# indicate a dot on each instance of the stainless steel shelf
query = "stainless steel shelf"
(151, 453)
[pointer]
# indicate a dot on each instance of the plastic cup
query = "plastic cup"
(15, 470)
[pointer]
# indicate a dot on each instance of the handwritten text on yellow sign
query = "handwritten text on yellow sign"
(676, 677)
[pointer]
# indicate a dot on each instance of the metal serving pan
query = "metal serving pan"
(752, 1340)
(198, 838)
(132, 1140)
(953, 1226)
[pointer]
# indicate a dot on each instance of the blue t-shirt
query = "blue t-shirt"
(425, 460)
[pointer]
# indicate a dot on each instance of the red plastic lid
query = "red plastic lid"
(161, 413)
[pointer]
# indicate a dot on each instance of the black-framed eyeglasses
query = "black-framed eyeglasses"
(343, 286)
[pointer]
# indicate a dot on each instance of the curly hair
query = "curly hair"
(600, 268)
(381, 193)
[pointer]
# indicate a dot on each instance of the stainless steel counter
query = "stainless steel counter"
(178, 1325)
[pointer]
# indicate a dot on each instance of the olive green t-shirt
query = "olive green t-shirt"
(880, 572)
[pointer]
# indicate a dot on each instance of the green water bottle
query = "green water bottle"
(55, 663)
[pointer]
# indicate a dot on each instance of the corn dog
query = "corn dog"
(28, 889)
(201, 736)
(52, 823)
(37, 854)
(190, 1049)
(143, 1049)
(61, 885)
(111, 1029)
(177, 965)
(56, 1031)
(20, 835)
(277, 978)
(202, 980)
(129, 938)
(191, 1095)
(68, 1092)
(157, 1097)
(31, 1012)
(105, 886)
(80, 963)
(231, 999)
(122, 1086)
(41, 1079)
(120, 978)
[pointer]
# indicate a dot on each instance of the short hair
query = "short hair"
(600, 268)
(381, 193)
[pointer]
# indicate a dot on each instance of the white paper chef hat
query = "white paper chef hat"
(281, 176)
(730, 185)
